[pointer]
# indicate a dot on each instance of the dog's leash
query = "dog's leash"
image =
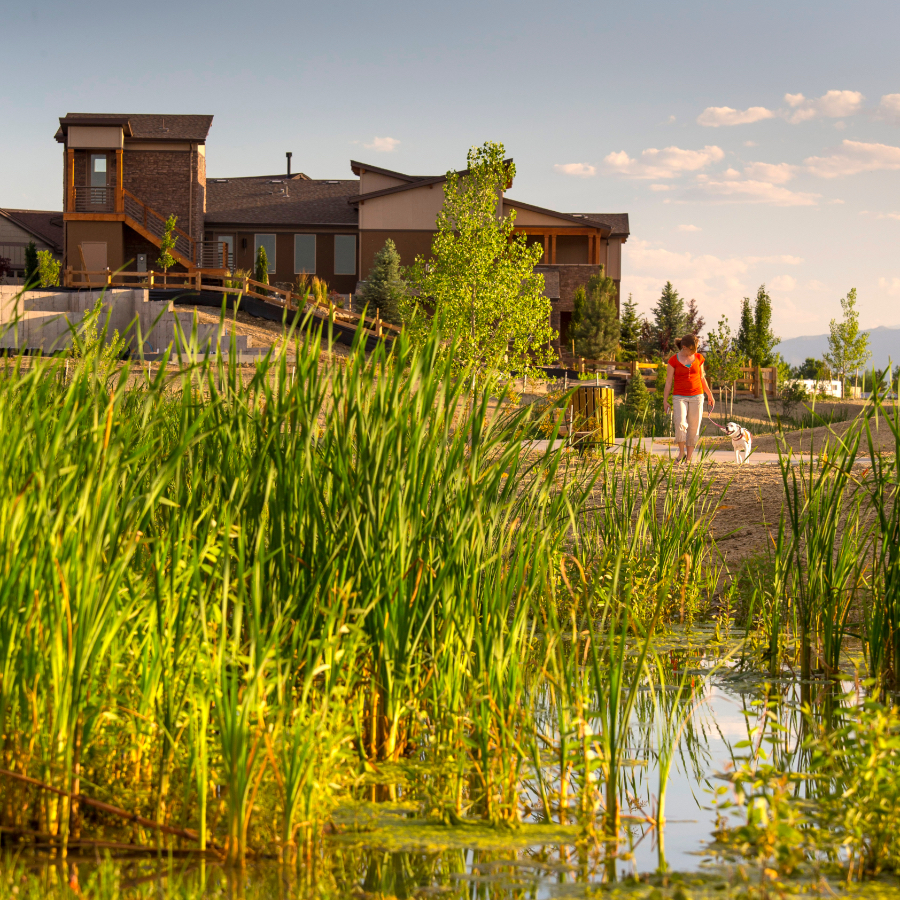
(712, 422)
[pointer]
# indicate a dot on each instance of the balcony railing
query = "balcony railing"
(214, 255)
(95, 199)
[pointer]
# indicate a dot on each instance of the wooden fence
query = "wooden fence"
(248, 287)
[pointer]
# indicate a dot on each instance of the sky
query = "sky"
(749, 143)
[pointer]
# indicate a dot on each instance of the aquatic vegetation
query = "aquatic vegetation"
(235, 604)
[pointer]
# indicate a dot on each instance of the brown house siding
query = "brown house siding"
(284, 255)
(410, 244)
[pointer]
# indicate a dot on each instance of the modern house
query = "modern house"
(404, 208)
(124, 174)
(20, 227)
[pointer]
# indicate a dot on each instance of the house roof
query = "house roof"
(357, 168)
(572, 218)
(412, 181)
(261, 200)
(145, 127)
(616, 222)
(45, 225)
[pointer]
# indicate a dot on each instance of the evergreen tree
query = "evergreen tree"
(669, 322)
(630, 330)
(695, 322)
(595, 326)
(746, 336)
(261, 272)
(31, 265)
(384, 288)
(764, 339)
(637, 397)
(659, 386)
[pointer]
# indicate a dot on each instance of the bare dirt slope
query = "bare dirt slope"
(815, 438)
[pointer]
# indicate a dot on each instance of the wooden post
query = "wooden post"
(151, 278)
(634, 368)
(120, 196)
(552, 249)
(758, 382)
(70, 181)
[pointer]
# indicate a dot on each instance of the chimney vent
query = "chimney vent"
(289, 155)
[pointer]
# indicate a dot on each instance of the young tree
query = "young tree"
(694, 321)
(724, 359)
(165, 260)
(764, 339)
(480, 283)
(31, 265)
(261, 270)
(630, 328)
(48, 269)
(595, 326)
(669, 321)
(848, 347)
(746, 337)
(637, 397)
(384, 288)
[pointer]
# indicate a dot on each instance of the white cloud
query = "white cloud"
(889, 216)
(382, 144)
(667, 163)
(889, 108)
(751, 144)
(715, 116)
(840, 125)
(831, 105)
(836, 202)
(662, 187)
(579, 170)
(717, 283)
(855, 157)
(774, 173)
(689, 228)
(734, 190)
(890, 285)
(782, 283)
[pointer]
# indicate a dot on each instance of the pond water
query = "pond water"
(382, 849)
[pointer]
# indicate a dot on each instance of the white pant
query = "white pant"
(688, 415)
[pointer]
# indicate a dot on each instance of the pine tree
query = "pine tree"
(764, 339)
(261, 273)
(695, 322)
(595, 326)
(31, 265)
(637, 397)
(746, 336)
(384, 288)
(669, 321)
(630, 330)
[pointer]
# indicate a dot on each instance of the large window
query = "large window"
(305, 254)
(267, 241)
(345, 254)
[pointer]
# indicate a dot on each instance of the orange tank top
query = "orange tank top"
(687, 378)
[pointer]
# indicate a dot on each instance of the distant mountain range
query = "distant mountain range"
(884, 343)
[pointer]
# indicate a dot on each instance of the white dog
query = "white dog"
(741, 440)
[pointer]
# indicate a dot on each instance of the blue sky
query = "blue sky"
(750, 143)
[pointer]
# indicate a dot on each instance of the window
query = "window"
(98, 179)
(305, 254)
(267, 241)
(345, 254)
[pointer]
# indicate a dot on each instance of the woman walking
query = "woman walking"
(686, 374)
